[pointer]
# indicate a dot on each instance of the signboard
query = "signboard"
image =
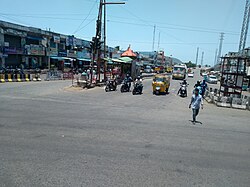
(12, 50)
(72, 54)
(248, 71)
(35, 50)
(56, 39)
(62, 53)
(53, 51)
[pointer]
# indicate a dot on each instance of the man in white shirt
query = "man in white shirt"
(196, 103)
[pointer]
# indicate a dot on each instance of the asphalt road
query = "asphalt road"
(52, 136)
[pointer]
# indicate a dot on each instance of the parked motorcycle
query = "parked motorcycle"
(111, 85)
(138, 87)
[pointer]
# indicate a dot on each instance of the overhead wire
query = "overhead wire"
(91, 9)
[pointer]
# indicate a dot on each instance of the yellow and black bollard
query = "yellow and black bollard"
(27, 77)
(8, 77)
(2, 78)
(18, 78)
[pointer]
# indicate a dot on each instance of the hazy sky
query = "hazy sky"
(183, 25)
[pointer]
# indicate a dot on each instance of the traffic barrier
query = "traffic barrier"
(18, 78)
(239, 103)
(8, 77)
(36, 77)
(2, 78)
(27, 77)
(224, 102)
(14, 77)
(54, 75)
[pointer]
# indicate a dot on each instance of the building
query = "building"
(30, 47)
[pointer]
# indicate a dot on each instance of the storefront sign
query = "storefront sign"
(53, 51)
(35, 50)
(15, 32)
(62, 53)
(56, 39)
(72, 54)
(12, 50)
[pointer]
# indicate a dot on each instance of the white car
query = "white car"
(212, 79)
(191, 74)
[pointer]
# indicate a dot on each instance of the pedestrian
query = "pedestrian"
(203, 87)
(196, 104)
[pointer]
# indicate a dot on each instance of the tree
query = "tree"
(190, 64)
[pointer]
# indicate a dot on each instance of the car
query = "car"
(212, 79)
(191, 74)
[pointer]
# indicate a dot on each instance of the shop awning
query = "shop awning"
(61, 58)
(84, 59)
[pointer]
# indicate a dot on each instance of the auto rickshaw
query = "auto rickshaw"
(161, 84)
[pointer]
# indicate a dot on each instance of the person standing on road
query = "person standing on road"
(196, 103)
(203, 87)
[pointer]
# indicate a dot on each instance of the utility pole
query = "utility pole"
(244, 29)
(220, 47)
(197, 56)
(153, 47)
(159, 38)
(215, 57)
(202, 56)
(96, 50)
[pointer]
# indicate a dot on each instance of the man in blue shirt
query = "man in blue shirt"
(196, 103)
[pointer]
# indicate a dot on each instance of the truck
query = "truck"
(179, 71)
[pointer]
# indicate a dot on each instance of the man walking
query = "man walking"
(196, 103)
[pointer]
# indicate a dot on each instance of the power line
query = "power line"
(84, 19)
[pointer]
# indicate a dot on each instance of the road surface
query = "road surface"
(53, 136)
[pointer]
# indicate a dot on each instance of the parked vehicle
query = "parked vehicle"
(111, 85)
(212, 79)
(161, 84)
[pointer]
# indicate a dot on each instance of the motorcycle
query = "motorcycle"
(138, 87)
(125, 86)
(183, 90)
(111, 85)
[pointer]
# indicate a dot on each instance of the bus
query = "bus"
(179, 71)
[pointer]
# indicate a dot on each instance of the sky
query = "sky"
(180, 25)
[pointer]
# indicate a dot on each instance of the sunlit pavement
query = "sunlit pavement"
(52, 136)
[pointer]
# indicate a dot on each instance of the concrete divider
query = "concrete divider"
(224, 102)
(239, 103)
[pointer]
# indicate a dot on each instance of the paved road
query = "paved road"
(50, 136)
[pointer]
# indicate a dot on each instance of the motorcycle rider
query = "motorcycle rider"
(183, 83)
(128, 80)
(138, 81)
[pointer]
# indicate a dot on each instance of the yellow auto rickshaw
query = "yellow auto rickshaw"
(161, 84)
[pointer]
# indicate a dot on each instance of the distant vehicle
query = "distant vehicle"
(179, 71)
(212, 79)
(191, 75)
(148, 69)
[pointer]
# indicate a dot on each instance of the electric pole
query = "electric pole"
(220, 47)
(159, 38)
(215, 57)
(153, 47)
(202, 56)
(244, 29)
(96, 50)
(197, 56)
